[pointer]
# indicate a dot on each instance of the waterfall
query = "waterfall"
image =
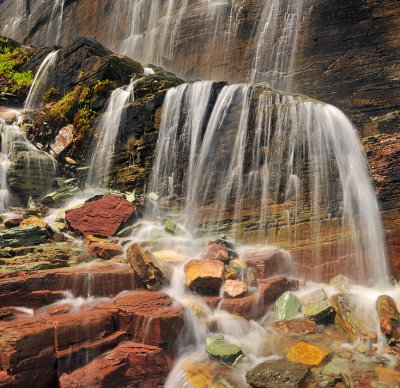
(264, 161)
(15, 28)
(107, 131)
(41, 82)
(53, 34)
(155, 27)
(276, 40)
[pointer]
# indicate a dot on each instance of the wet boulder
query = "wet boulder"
(204, 276)
(219, 349)
(307, 354)
(216, 251)
(316, 306)
(31, 174)
(347, 316)
(102, 216)
(272, 374)
(235, 288)
(287, 306)
(272, 288)
(146, 267)
(24, 236)
(268, 261)
(389, 317)
(341, 283)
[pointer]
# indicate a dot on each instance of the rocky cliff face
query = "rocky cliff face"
(347, 55)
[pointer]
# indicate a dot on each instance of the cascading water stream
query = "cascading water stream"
(261, 155)
(15, 27)
(276, 42)
(41, 82)
(54, 28)
(107, 131)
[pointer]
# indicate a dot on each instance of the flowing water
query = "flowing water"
(54, 28)
(263, 161)
(41, 82)
(17, 27)
(106, 132)
(276, 42)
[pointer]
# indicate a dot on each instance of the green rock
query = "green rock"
(170, 227)
(219, 339)
(316, 306)
(19, 237)
(336, 366)
(68, 190)
(341, 283)
(228, 353)
(287, 306)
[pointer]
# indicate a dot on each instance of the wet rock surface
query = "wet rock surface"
(146, 266)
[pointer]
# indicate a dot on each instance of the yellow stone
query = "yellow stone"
(34, 221)
(169, 256)
(307, 354)
(198, 375)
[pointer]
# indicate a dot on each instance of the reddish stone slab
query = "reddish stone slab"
(101, 216)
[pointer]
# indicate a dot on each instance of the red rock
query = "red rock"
(80, 354)
(247, 307)
(268, 261)
(27, 351)
(59, 310)
(105, 251)
(101, 216)
(235, 288)
(149, 317)
(216, 251)
(273, 287)
(204, 276)
(89, 324)
(128, 365)
(6, 381)
(36, 289)
(63, 139)
(13, 221)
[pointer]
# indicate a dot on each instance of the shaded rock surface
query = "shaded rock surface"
(24, 236)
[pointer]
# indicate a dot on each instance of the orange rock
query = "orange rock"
(34, 221)
(198, 375)
(307, 354)
(388, 375)
(204, 276)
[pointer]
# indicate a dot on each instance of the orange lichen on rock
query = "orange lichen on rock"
(307, 354)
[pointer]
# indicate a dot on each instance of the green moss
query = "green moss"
(84, 118)
(103, 86)
(61, 109)
(10, 61)
(50, 95)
